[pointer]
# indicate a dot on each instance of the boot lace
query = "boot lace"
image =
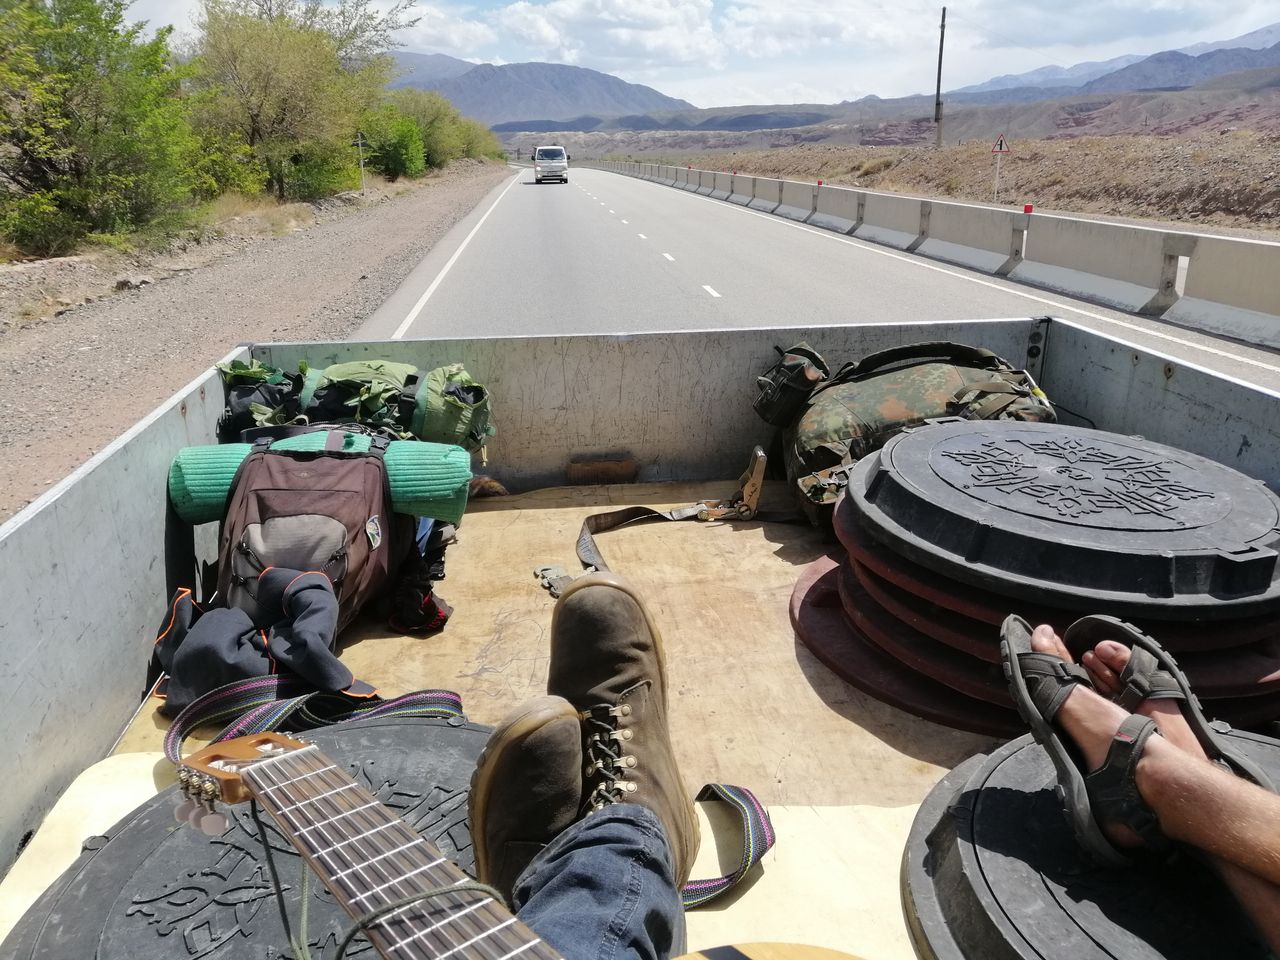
(607, 760)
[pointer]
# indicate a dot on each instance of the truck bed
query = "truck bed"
(841, 773)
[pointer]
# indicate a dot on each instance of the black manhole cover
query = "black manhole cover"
(817, 615)
(959, 604)
(992, 870)
(154, 890)
(1075, 518)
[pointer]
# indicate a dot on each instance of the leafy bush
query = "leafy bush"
(36, 223)
(93, 130)
(478, 141)
(222, 164)
(321, 170)
(395, 143)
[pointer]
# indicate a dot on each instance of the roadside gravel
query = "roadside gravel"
(72, 383)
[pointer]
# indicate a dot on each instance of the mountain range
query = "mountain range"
(1083, 73)
(545, 97)
(514, 91)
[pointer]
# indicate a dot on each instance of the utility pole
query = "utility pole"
(937, 103)
(359, 145)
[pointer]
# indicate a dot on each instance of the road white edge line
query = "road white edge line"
(426, 295)
(710, 291)
(869, 247)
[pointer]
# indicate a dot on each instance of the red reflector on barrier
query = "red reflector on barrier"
(1028, 207)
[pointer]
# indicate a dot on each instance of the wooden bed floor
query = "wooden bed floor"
(749, 704)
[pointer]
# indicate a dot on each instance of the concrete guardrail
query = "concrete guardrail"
(1133, 268)
(891, 220)
(838, 209)
(983, 238)
(766, 194)
(1231, 286)
(797, 201)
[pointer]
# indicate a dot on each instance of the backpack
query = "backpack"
(856, 411)
(444, 405)
(321, 510)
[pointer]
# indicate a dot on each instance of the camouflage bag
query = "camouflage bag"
(858, 410)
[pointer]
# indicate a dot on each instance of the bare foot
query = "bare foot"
(1091, 722)
(1106, 662)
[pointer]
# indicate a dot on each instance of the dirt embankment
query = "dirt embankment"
(1230, 180)
(70, 383)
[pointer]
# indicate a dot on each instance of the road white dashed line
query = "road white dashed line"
(670, 257)
(642, 236)
(624, 221)
(710, 291)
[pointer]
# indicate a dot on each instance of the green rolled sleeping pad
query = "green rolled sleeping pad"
(427, 479)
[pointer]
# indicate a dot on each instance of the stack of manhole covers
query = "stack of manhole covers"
(956, 524)
(992, 870)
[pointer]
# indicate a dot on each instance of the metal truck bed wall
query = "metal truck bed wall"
(86, 570)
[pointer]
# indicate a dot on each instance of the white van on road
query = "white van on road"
(550, 163)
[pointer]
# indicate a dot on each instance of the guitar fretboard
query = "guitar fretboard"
(369, 858)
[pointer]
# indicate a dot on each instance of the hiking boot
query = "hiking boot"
(526, 789)
(606, 659)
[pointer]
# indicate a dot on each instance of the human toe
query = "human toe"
(1045, 640)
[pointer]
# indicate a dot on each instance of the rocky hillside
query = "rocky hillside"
(1229, 180)
(1172, 69)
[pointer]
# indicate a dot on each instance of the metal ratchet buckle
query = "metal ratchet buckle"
(745, 501)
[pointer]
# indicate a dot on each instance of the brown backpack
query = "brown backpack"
(324, 510)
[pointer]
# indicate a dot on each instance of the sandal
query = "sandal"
(1153, 674)
(1040, 683)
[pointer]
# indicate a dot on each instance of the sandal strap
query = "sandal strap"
(1050, 680)
(1143, 679)
(1113, 788)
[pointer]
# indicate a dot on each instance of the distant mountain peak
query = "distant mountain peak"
(554, 91)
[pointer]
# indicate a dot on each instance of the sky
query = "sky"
(731, 52)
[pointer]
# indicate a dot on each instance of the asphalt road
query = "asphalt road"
(607, 253)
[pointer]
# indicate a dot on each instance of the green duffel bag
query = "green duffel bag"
(449, 406)
(856, 411)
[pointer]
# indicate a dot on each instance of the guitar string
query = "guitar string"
(494, 931)
(338, 784)
(289, 786)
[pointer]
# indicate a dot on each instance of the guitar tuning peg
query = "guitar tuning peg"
(198, 812)
(182, 812)
(214, 824)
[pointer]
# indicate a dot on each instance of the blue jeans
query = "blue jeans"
(605, 889)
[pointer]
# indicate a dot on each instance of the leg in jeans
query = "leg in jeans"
(605, 890)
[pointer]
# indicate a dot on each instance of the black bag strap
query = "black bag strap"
(959, 353)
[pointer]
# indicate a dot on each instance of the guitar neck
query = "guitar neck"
(371, 859)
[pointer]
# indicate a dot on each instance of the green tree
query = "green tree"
(361, 30)
(281, 87)
(395, 143)
(94, 135)
(478, 141)
(438, 120)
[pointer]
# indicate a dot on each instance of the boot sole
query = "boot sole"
(612, 580)
(528, 718)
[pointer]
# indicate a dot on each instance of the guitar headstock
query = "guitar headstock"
(213, 775)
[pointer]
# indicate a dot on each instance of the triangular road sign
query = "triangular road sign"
(1002, 145)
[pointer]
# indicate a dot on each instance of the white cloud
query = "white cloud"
(443, 30)
(614, 34)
